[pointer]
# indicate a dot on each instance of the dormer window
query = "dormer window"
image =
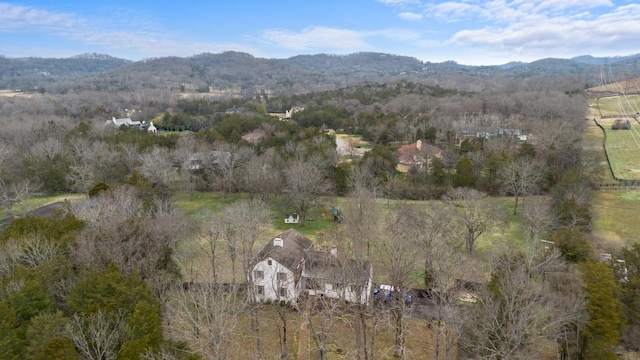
(278, 242)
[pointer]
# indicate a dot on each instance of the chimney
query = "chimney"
(419, 144)
(334, 251)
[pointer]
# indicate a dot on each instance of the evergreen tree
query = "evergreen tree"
(438, 172)
(604, 307)
(430, 135)
(572, 244)
(629, 275)
(464, 173)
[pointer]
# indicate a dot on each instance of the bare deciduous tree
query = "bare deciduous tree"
(443, 254)
(14, 194)
(517, 309)
(537, 217)
(362, 214)
(306, 184)
(157, 167)
(226, 165)
(519, 177)
(98, 336)
(325, 313)
(120, 233)
(396, 250)
(14, 190)
(207, 319)
(262, 174)
(476, 214)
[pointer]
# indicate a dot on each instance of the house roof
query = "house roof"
(334, 268)
(408, 152)
(124, 121)
(290, 253)
(253, 137)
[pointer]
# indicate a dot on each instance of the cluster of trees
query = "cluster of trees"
(90, 281)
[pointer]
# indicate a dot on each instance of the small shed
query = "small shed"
(621, 125)
(291, 218)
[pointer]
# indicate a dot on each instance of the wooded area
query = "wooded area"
(114, 276)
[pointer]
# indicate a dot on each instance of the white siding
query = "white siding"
(272, 285)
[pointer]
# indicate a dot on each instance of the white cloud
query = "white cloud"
(133, 39)
(315, 37)
(410, 16)
(561, 5)
(16, 17)
(559, 35)
(399, 2)
(454, 11)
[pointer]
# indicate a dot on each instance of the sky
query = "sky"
(469, 32)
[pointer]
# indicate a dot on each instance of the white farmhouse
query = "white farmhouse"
(288, 266)
(276, 274)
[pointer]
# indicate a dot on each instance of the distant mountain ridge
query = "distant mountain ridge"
(244, 72)
(32, 72)
(588, 59)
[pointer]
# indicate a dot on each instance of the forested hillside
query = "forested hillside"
(245, 75)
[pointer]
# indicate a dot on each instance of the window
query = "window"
(258, 274)
(260, 290)
(282, 276)
(282, 292)
(270, 262)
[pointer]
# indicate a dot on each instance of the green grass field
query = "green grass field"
(623, 146)
(616, 222)
(616, 105)
(594, 141)
(37, 202)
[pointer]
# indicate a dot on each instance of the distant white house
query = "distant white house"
(117, 123)
(288, 266)
(124, 121)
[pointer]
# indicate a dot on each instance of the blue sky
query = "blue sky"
(469, 32)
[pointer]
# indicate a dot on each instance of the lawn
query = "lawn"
(623, 146)
(616, 105)
(37, 202)
(616, 217)
(623, 149)
(323, 232)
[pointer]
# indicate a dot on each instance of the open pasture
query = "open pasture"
(616, 105)
(623, 149)
(616, 218)
(623, 146)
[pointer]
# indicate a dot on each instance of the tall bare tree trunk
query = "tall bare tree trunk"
(282, 312)
(303, 345)
(255, 329)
